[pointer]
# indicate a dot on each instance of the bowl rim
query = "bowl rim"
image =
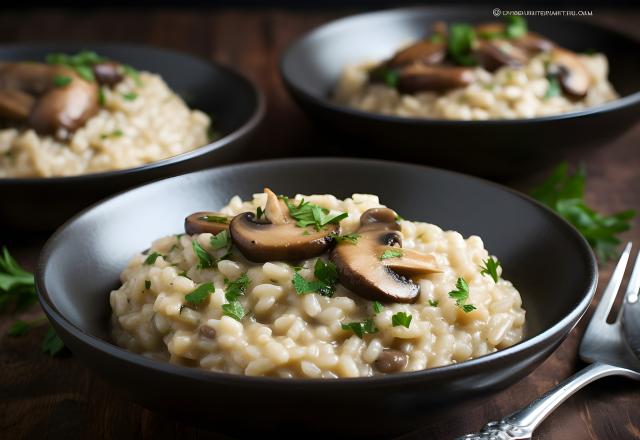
(325, 102)
(557, 332)
(249, 125)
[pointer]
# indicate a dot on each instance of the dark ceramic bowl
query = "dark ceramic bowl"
(311, 66)
(548, 261)
(236, 105)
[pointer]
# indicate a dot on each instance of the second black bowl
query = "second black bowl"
(236, 105)
(312, 65)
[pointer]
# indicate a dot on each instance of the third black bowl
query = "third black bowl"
(312, 65)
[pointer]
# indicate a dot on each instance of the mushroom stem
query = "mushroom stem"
(275, 209)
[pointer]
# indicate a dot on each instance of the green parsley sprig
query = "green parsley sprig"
(391, 253)
(401, 319)
(235, 289)
(564, 192)
(326, 274)
(308, 214)
(361, 328)
(490, 268)
(461, 295)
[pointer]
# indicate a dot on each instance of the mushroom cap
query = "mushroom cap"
(423, 51)
(201, 222)
(15, 105)
(572, 74)
(493, 54)
(108, 73)
(261, 241)
(362, 270)
(420, 77)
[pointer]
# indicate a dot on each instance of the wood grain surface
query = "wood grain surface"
(59, 398)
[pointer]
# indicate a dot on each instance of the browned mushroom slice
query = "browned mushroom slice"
(573, 75)
(108, 73)
(366, 269)
(533, 43)
(420, 77)
(391, 361)
(424, 51)
(15, 105)
(278, 238)
(201, 222)
(493, 54)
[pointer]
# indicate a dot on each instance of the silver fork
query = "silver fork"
(610, 349)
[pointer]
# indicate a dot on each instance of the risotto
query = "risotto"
(489, 71)
(136, 121)
(314, 287)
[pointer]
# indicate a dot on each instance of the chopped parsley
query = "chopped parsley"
(52, 344)
(490, 268)
(130, 96)
(326, 275)
(348, 238)
(434, 303)
(205, 260)
(308, 214)
(215, 219)
(461, 295)
(61, 80)
(360, 328)
(516, 26)
(234, 310)
(554, 88)
(391, 253)
(151, 259)
(82, 62)
(377, 307)
(236, 288)
(102, 99)
(200, 293)
(114, 134)
(401, 319)
(259, 213)
(221, 240)
(147, 284)
(461, 38)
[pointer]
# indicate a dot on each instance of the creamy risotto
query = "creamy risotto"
(477, 72)
(247, 297)
(132, 122)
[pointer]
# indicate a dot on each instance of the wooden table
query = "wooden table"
(43, 397)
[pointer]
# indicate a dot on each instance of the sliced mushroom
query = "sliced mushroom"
(533, 43)
(56, 107)
(493, 54)
(424, 51)
(278, 238)
(201, 222)
(362, 269)
(391, 361)
(572, 74)
(108, 73)
(15, 105)
(420, 77)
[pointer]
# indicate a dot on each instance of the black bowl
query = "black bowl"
(544, 256)
(237, 106)
(502, 149)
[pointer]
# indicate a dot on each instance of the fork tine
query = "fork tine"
(634, 282)
(609, 295)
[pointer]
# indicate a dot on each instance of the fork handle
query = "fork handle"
(521, 424)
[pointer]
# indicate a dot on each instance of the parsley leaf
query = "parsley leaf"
(326, 275)
(377, 307)
(61, 80)
(461, 38)
(348, 238)
(16, 284)
(461, 295)
(52, 344)
(234, 310)
(102, 99)
(259, 213)
(490, 268)
(236, 288)
(564, 193)
(130, 96)
(204, 259)
(516, 26)
(554, 87)
(220, 240)
(434, 303)
(308, 214)
(401, 319)
(200, 293)
(391, 253)
(151, 259)
(360, 328)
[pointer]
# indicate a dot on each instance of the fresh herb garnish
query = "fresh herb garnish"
(52, 344)
(220, 240)
(130, 96)
(114, 134)
(234, 310)
(16, 284)
(102, 99)
(490, 268)
(377, 307)
(516, 26)
(200, 293)
(61, 80)
(259, 213)
(434, 303)
(461, 295)
(461, 39)
(236, 288)
(391, 253)
(360, 328)
(81, 63)
(348, 238)
(401, 319)
(215, 219)
(554, 88)
(326, 275)
(205, 260)
(147, 284)
(151, 259)
(308, 214)
(564, 193)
